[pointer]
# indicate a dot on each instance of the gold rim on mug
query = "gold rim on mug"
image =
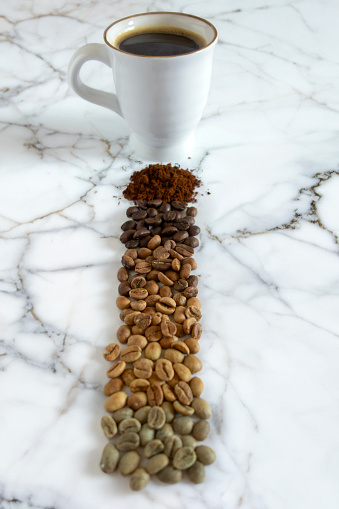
(161, 12)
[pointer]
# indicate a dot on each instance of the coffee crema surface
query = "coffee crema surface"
(159, 41)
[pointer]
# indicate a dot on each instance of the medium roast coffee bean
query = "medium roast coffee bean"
(191, 242)
(129, 462)
(139, 479)
(184, 458)
(123, 274)
(109, 459)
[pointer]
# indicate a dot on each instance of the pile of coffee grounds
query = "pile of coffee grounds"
(162, 182)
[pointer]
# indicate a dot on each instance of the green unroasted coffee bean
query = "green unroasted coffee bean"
(156, 417)
(128, 441)
(201, 430)
(196, 472)
(189, 440)
(164, 432)
(139, 479)
(109, 459)
(172, 445)
(129, 462)
(205, 454)
(169, 411)
(146, 434)
(183, 409)
(183, 425)
(130, 424)
(184, 458)
(157, 463)
(142, 414)
(123, 413)
(170, 475)
(109, 426)
(153, 447)
(202, 408)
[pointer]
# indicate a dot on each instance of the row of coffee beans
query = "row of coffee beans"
(156, 415)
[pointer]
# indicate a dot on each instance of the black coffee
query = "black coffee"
(159, 43)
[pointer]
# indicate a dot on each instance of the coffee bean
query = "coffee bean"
(151, 212)
(196, 331)
(117, 369)
(156, 417)
(183, 393)
(138, 293)
(193, 230)
(182, 371)
(142, 414)
(174, 356)
(192, 344)
(160, 253)
(128, 262)
(182, 347)
(142, 204)
(123, 334)
(184, 458)
(128, 376)
(202, 408)
(144, 241)
(139, 479)
(153, 351)
(124, 288)
(141, 233)
(112, 351)
(131, 353)
(193, 363)
(182, 425)
(128, 441)
(201, 430)
(185, 250)
(131, 210)
(140, 214)
(146, 434)
(191, 242)
(114, 385)
(165, 207)
(129, 424)
(129, 462)
(180, 285)
(166, 305)
(165, 280)
(155, 395)
(128, 225)
(137, 400)
(168, 341)
(178, 205)
(153, 333)
(172, 445)
(138, 340)
(165, 432)
(154, 242)
(192, 211)
(115, 401)
(109, 459)
(161, 264)
(151, 300)
(154, 231)
(189, 440)
(170, 475)
(170, 215)
(123, 302)
(193, 311)
(168, 231)
(191, 291)
(185, 271)
(123, 274)
(180, 236)
(185, 410)
(157, 463)
(205, 454)
(133, 243)
(123, 413)
(142, 369)
(169, 411)
(109, 426)
(181, 227)
(153, 447)
(164, 369)
(139, 384)
(196, 472)
(126, 236)
(168, 328)
(197, 386)
(191, 261)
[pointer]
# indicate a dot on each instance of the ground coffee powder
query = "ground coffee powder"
(162, 182)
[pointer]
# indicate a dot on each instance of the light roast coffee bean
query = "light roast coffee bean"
(115, 401)
(114, 385)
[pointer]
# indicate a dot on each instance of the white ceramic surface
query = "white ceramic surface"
(161, 98)
(267, 151)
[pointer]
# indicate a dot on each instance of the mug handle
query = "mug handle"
(93, 51)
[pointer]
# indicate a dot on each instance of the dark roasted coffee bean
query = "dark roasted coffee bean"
(124, 288)
(131, 210)
(193, 230)
(144, 241)
(192, 211)
(165, 207)
(178, 205)
(161, 265)
(139, 234)
(153, 221)
(126, 236)
(155, 230)
(140, 224)
(142, 204)
(122, 274)
(151, 212)
(182, 226)
(169, 231)
(192, 242)
(127, 262)
(154, 203)
(128, 225)
(186, 220)
(180, 236)
(141, 214)
(132, 244)
(170, 215)
(193, 281)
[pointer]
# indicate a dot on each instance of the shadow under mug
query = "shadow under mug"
(162, 98)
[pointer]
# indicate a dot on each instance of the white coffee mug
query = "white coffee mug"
(161, 98)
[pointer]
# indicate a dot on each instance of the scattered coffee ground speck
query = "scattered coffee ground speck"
(162, 182)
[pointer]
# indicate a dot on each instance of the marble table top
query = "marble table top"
(267, 152)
